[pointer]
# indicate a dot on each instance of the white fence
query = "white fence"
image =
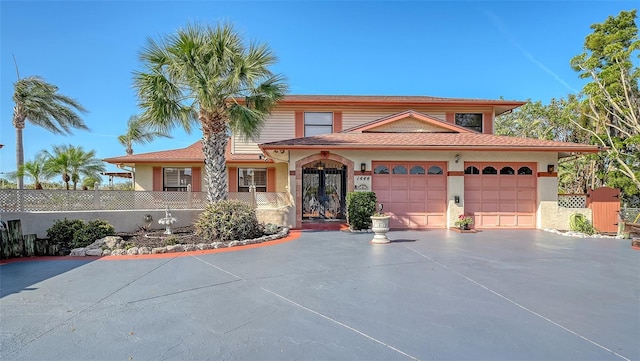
(52, 200)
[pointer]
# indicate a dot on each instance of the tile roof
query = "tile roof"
(426, 141)
(390, 99)
(190, 154)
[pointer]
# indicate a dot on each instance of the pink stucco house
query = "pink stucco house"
(428, 159)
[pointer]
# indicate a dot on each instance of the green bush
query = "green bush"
(76, 233)
(92, 231)
(62, 231)
(360, 207)
(579, 223)
(228, 221)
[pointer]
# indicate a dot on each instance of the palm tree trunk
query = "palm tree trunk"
(19, 155)
(215, 168)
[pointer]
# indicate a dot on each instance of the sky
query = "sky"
(517, 50)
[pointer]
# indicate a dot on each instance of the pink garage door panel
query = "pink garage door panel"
(500, 195)
(414, 193)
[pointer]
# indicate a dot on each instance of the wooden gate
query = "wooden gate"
(605, 205)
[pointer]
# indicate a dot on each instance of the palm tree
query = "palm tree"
(34, 169)
(208, 76)
(40, 103)
(138, 132)
(73, 162)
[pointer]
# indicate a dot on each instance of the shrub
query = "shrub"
(92, 231)
(227, 221)
(360, 207)
(579, 223)
(62, 231)
(76, 233)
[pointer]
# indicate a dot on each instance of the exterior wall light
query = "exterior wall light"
(456, 158)
(363, 167)
(551, 168)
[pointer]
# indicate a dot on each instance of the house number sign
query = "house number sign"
(362, 183)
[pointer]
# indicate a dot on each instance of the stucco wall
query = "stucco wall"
(547, 187)
(554, 217)
(132, 220)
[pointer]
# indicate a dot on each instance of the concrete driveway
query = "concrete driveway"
(494, 295)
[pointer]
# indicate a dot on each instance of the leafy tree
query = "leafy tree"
(138, 132)
(207, 75)
(40, 103)
(34, 169)
(612, 97)
(554, 121)
(528, 121)
(72, 162)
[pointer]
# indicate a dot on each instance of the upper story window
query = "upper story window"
(252, 176)
(176, 179)
(472, 121)
(317, 123)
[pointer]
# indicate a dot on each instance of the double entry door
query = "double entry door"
(323, 193)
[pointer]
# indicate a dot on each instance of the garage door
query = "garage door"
(414, 193)
(500, 195)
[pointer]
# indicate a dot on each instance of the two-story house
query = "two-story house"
(428, 160)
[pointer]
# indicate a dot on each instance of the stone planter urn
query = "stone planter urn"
(380, 226)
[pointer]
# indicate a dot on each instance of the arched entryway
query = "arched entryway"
(335, 176)
(324, 190)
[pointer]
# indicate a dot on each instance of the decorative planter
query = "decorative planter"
(380, 226)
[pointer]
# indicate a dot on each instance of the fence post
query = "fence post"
(189, 197)
(96, 199)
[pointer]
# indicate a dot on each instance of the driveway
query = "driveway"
(494, 295)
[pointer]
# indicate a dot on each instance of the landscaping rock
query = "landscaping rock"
(175, 248)
(78, 252)
(190, 247)
(111, 242)
(132, 251)
(158, 250)
(106, 252)
(144, 250)
(93, 252)
(118, 252)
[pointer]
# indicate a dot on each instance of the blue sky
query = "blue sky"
(478, 49)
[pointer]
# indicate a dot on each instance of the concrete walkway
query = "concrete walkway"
(494, 295)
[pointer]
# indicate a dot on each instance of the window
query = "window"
(252, 176)
(434, 169)
(416, 169)
(489, 170)
(471, 170)
(399, 170)
(381, 169)
(525, 171)
(316, 123)
(472, 121)
(176, 179)
(507, 171)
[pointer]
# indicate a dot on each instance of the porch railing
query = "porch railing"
(52, 200)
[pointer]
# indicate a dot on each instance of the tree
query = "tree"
(554, 121)
(71, 163)
(35, 170)
(138, 132)
(612, 97)
(207, 75)
(40, 103)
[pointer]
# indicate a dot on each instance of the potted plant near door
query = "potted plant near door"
(380, 226)
(464, 222)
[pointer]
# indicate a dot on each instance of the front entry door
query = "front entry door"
(323, 193)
